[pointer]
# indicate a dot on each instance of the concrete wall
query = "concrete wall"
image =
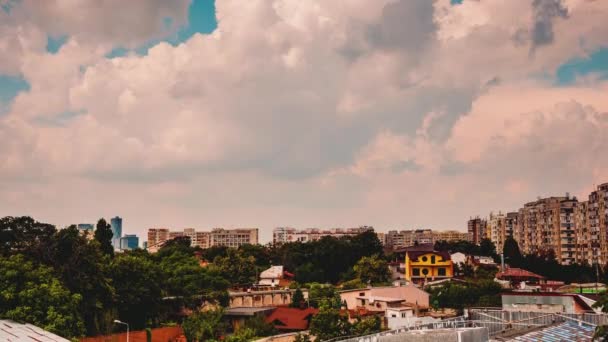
(464, 335)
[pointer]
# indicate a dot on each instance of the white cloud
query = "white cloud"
(345, 112)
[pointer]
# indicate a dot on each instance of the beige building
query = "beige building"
(577, 232)
(477, 229)
(204, 239)
(288, 234)
(381, 298)
(407, 238)
(496, 230)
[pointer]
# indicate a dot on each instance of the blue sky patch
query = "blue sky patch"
(597, 62)
(455, 2)
(53, 44)
(201, 19)
(11, 86)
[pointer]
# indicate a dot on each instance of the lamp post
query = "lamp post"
(127, 324)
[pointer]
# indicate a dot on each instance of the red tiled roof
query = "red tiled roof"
(517, 273)
(285, 318)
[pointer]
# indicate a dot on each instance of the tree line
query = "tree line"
(73, 286)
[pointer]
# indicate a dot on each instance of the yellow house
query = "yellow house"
(422, 264)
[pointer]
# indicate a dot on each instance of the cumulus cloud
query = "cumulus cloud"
(345, 112)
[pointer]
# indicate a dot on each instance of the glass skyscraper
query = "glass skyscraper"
(116, 224)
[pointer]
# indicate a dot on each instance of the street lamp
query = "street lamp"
(127, 324)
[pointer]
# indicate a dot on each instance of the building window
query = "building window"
(425, 271)
(432, 259)
(441, 271)
(424, 259)
(361, 294)
(416, 272)
(403, 314)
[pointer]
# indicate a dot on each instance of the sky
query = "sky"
(399, 114)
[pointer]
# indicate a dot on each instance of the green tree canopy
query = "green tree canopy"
(237, 269)
(373, 270)
(138, 287)
(204, 326)
(511, 252)
(31, 293)
(103, 235)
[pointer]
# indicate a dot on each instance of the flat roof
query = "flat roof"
(247, 311)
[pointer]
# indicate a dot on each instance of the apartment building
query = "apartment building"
(407, 238)
(204, 239)
(289, 234)
(496, 229)
(477, 229)
(592, 227)
(548, 224)
(577, 232)
(449, 235)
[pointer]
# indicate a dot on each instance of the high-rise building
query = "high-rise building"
(129, 242)
(288, 234)
(204, 239)
(548, 224)
(477, 229)
(496, 230)
(576, 232)
(116, 224)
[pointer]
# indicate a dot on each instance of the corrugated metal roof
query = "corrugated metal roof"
(11, 331)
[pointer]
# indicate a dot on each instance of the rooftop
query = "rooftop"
(517, 273)
(247, 311)
(285, 318)
(11, 331)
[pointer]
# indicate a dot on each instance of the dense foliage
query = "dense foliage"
(74, 286)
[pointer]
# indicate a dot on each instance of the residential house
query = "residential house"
(423, 263)
(275, 276)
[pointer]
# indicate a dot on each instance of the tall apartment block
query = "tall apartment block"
(592, 227)
(407, 238)
(477, 229)
(204, 239)
(577, 232)
(496, 229)
(288, 234)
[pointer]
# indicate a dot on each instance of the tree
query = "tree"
(259, 327)
(187, 282)
(204, 326)
(237, 269)
(138, 287)
(373, 270)
(24, 235)
(329, 323)
(602, 302)
(487, 248)
(323, 294)
(83, 269)
(302, 338)
(511, 252)
(103, 235)
(366, 326)
(31, 293)
(297, 299)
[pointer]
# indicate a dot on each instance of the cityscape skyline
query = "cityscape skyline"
(372, 113)
(266, 233)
